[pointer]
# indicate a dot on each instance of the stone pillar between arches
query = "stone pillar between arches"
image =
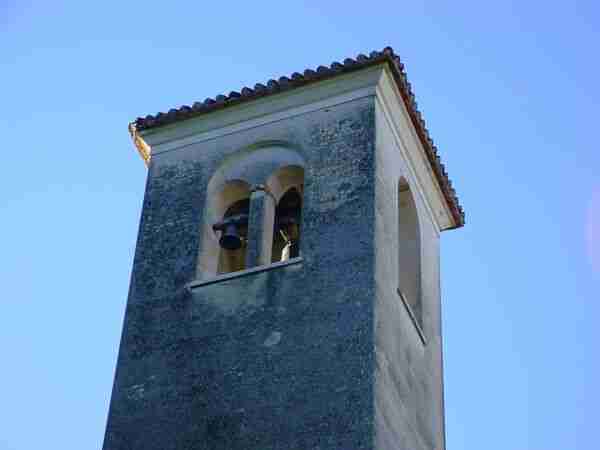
(260, 227)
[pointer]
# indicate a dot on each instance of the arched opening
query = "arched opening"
(409, 250)
(269, 171)
(286, 185)
(286, 231)
(224, 201)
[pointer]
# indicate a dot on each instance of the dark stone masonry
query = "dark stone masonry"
(276, 359)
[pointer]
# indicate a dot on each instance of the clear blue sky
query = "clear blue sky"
(510, 94)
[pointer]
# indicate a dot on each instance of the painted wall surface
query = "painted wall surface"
(408, 384)
(281, 359)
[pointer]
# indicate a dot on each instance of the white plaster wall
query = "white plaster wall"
(408, 383)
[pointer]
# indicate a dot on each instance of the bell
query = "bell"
(230, 239)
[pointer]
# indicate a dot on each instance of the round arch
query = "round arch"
(409, 249)
(269, 165)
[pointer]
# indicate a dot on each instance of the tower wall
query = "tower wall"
(339, 348)
(277, 359)
(408, 369)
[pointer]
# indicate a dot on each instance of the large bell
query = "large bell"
(230, 239)
(230, 229)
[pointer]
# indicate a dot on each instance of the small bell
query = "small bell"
(230, 239)
(230, 231)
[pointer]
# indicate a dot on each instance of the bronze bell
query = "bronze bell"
(230, 238)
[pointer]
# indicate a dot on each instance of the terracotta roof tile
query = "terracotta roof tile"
(310, 76)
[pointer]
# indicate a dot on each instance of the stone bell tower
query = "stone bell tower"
(285, 289)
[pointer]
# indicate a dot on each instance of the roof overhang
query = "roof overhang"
(380, 73)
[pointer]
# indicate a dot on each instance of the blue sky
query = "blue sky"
(510, 94)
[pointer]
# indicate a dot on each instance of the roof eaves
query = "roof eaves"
(309, 76)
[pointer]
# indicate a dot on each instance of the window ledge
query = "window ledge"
(413, 319)
(242, 273)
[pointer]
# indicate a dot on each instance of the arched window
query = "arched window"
(409, 251)
(286, 231)
(253, 210)
(227, 204)
(286, 185)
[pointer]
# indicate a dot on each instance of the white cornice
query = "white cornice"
(270, 109)
(374, 81)
(397, 117)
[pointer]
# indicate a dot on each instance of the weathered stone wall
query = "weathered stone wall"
(281, 359)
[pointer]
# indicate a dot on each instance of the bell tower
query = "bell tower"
(285, 288)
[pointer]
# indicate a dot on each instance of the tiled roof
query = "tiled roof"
(311, 76)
